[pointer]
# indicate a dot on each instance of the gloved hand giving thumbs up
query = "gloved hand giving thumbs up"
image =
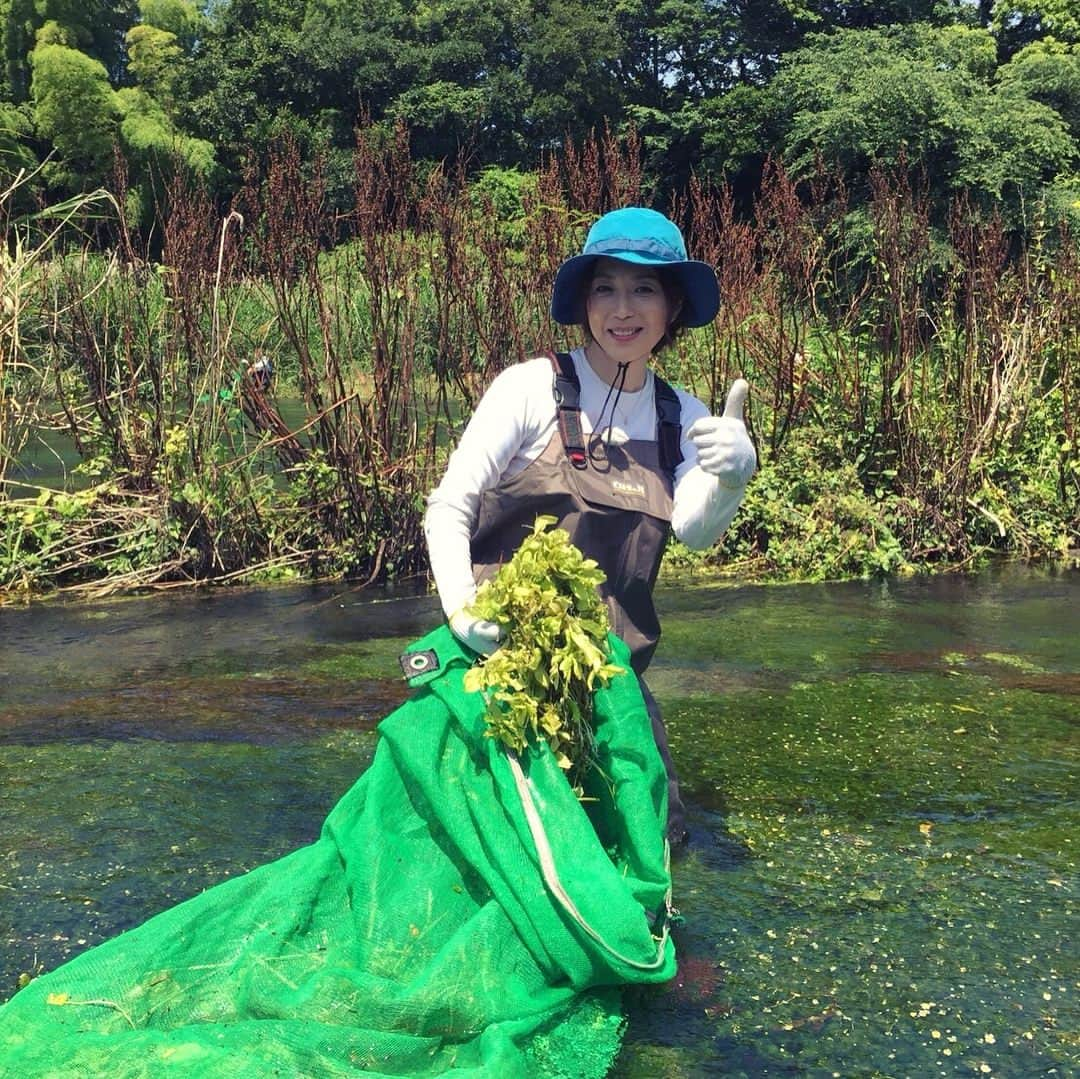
(724, 448)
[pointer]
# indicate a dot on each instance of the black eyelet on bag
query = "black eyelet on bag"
(414, 663)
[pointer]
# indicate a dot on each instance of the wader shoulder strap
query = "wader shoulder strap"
(668, 425)
(567, 390)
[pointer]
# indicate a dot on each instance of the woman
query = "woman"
(598, 440)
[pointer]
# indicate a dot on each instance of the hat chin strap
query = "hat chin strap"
(616, 387)
(601, 365)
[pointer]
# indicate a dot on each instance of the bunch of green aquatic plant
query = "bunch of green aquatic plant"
(539, 684)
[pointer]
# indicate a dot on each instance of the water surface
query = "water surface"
(883, 780)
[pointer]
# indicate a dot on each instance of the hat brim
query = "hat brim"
(698, 280)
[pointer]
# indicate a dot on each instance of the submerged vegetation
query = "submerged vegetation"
(270, 390)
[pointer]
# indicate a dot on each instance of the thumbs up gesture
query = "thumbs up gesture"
(724, 449)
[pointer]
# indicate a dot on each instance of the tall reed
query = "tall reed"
(922, 358)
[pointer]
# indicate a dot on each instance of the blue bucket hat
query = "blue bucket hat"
(647, 238)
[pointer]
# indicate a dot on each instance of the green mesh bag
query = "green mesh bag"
(461, 913)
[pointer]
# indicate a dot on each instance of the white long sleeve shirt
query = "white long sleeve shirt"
(514, 422)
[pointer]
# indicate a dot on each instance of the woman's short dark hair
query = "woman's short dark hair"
(673, 293)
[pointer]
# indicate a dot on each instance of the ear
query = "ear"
(674, 313)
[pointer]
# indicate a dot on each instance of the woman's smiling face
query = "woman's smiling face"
(627, 310)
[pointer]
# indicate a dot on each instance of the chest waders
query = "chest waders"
(615, 501)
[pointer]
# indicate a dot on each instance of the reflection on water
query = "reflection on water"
(882, 878)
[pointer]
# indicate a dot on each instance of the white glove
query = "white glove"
(475, 633)
(724, 449)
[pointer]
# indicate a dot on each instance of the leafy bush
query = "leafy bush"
(807, 516)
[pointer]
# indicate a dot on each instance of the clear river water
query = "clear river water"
(884, 783)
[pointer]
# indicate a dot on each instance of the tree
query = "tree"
(568, 63)
(97, 28)
(158, 45)
(455, 52)
(925, 96)
(153, 143)
(1022, 22)
(74, 108)
(267, 66)
(696, 75)
(17, 25)
(180, 18)
(727, 136)
(1048, 71)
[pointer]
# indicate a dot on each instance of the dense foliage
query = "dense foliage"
(983, 95)
(258, 403)
(274, 251)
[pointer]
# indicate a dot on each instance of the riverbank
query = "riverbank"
(95, 543)
(99, 541)
(270, 398)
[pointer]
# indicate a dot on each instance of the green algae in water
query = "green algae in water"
(885, 885)
(99, 836)
(371, 659)
(1021, 663)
